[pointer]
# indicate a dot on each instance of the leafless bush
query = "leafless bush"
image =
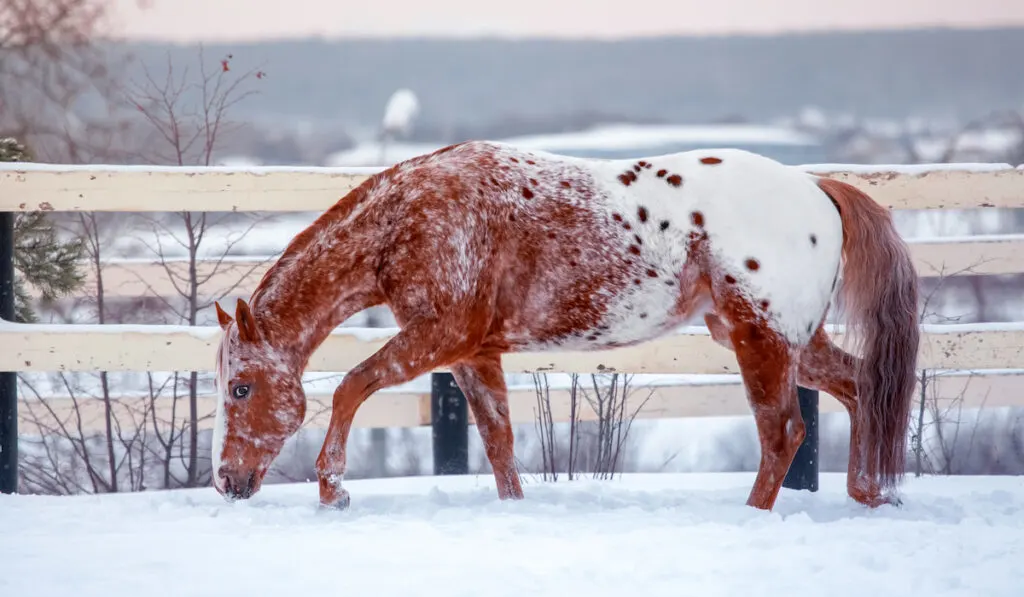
(551, 460)
(65, 453)
(937, 418)
(598, 445)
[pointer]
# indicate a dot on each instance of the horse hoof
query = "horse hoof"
(877, 501)
(341, 502)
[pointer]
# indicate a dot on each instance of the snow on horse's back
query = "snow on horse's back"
(481, 249)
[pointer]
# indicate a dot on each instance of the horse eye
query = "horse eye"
(240, 391)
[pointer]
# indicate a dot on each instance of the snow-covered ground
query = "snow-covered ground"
(644, 535)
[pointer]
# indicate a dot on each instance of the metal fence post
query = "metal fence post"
(803, 473)
(8, 379)
(449, 418)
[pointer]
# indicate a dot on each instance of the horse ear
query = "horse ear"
(247, 331)
(222, 317)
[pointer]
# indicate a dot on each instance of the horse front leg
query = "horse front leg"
(419, 348)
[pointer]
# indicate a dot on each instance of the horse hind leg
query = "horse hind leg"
(827, 368)
(767, 366)
(482, 380)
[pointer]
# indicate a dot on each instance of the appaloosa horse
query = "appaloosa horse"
(482, 249)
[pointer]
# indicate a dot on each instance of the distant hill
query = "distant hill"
(936, 73)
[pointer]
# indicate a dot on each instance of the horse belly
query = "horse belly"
(572, 315)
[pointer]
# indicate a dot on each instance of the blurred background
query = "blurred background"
(336, 83)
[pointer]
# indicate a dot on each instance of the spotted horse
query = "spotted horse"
(481, 249)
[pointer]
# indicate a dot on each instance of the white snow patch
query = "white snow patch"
(650, 535)
(401, 110)
(630, 136)
(912, 169)
(373, 153)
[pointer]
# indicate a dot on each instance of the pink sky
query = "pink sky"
(211, 20)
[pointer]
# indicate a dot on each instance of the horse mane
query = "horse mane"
(338, 212)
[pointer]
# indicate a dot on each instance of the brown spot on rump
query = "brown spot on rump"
(566, 184)
(617, 217)
(752, 264)
(710, 161)
(634, 249)
(625, 179)
(642, 213)
(516, 160)
(643, 164)
(661, 173)
(637, 281)
(697, 218)
(765, 304)
(674, 180)
(627, 226)
(592, 337)
(652, 274)
(527, 193)
(533, 181)
(531, 162)
(637, 167)
(729, 279)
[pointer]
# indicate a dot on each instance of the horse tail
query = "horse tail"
(878, 298)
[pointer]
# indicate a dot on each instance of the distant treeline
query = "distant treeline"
(470, 83)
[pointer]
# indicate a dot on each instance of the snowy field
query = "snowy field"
(643, 536)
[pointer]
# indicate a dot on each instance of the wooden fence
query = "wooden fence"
(31, 187)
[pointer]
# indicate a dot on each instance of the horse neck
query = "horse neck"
(300, 301)
(302, 296)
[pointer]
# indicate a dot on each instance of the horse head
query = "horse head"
(260, 404)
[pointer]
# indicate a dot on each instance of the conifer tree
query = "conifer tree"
(41, 258)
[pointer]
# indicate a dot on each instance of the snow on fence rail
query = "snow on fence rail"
(29, 187)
